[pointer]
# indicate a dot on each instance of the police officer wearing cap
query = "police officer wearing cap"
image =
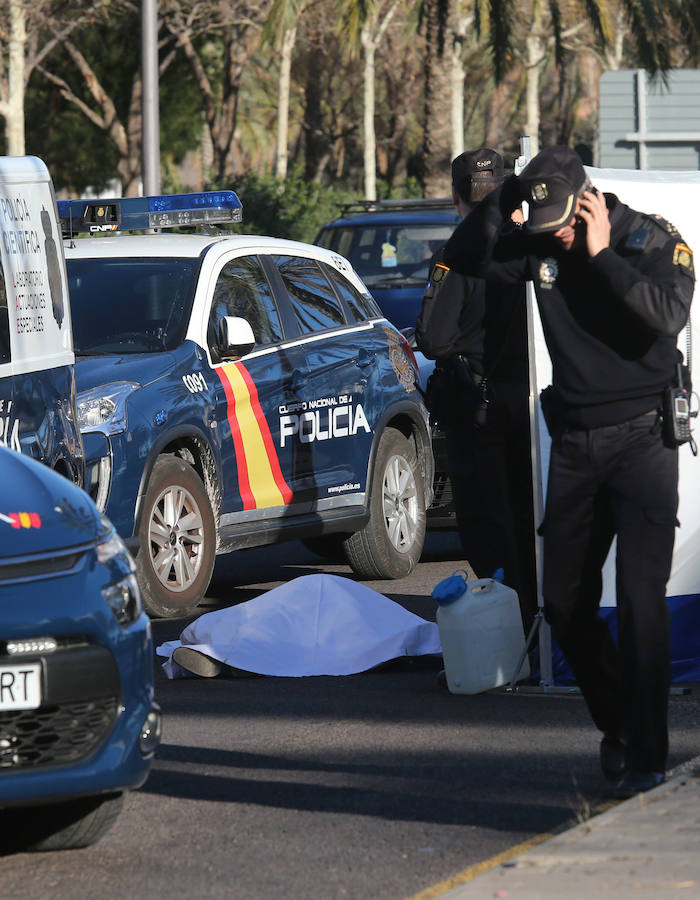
(478, 395)
(614, 288)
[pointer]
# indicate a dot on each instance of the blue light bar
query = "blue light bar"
(139, 213)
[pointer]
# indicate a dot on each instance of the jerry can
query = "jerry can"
(481, 632)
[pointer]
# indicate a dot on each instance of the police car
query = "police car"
(236, 391)
(78, 724)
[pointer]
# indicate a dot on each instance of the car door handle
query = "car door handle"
(365, 358)
(299, 379)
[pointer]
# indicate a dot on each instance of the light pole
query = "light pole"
(150, 129)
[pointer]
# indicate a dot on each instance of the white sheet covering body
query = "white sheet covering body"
(313, 625)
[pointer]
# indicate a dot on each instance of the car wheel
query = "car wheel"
(61, 826)
(177, 538)
(390, 544)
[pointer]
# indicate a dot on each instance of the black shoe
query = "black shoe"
(612, 757)
(197, 663)
(633, 783)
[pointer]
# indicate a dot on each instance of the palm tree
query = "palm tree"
(444, 23)
(365, 22)
(280, 31)
(545, 29)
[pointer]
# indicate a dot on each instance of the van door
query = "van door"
(41, 420)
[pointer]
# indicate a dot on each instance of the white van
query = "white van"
(37, 384)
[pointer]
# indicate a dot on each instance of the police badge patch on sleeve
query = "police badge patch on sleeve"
(438, 273)
(683, 257)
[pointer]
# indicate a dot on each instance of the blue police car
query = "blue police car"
(236, 391)
(78, 724)
(390, 244)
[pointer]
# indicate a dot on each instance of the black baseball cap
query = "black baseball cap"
(550, 184)
(476, 172)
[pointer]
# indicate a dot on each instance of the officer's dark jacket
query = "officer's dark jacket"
(485, 321)
(610, 322)
(451, 320)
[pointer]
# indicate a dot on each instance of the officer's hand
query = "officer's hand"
(594, 212)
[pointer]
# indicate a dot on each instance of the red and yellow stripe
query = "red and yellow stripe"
(260, 478)
(25, 520)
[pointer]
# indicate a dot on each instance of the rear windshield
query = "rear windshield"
(130, 305)
(386, 254)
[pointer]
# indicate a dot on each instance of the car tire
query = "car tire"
(177, 540)
(390, 544)
(61, 826)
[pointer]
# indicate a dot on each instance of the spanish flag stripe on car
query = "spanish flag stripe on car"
(261, 483)
(266, 436)
(243, 481)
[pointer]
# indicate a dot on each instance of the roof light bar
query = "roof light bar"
(138, 213)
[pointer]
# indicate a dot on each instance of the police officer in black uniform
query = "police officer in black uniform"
(478, 395)
(614, 288)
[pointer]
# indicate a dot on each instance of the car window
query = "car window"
(130, 304)
(315, 305)
(382, 254)
(242, 290)
(361, 306)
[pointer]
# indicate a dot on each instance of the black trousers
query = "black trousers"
(491, 474)
(618, 480)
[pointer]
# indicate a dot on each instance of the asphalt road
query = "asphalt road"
(376, 785)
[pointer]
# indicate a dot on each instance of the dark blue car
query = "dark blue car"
(78, 723)
(390, 243)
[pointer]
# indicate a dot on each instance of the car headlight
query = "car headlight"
(123, 595)
(124, 599)
(104, 408)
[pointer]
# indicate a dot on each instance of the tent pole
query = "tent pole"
(540, 629)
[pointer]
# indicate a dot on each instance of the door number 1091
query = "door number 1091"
(194, 382)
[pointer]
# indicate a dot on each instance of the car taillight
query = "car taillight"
(409, 352)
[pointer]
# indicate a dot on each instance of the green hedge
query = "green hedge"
(290, 208)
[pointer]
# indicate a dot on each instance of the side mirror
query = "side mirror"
(236, 337)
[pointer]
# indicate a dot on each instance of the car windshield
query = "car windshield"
(130, 305)
(389, 255)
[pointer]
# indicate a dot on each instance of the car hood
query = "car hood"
(41, 510)
(141, 368)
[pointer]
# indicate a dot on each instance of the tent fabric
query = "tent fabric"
(313, 625)
(685, 646)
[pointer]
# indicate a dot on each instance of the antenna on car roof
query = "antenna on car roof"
(417, 203)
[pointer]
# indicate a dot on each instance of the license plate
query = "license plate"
(20, 686)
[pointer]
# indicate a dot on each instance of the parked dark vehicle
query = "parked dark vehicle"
(390, 243)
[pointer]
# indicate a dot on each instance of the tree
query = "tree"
(94, 91)
(217, 39)
(280, 31)
(366, 22)
(109, 96)
(34, 31)
(443, 23)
